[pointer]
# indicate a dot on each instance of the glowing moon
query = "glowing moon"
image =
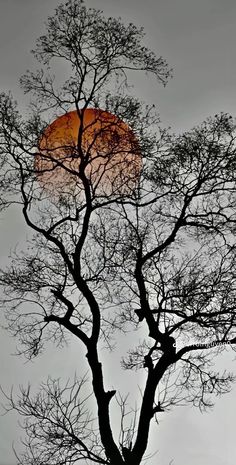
(94, 141)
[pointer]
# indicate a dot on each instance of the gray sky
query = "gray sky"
(198, 40)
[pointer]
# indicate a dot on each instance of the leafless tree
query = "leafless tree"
(157, 258)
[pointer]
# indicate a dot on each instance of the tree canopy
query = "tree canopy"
(158, 258)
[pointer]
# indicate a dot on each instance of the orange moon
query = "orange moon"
(95, 142)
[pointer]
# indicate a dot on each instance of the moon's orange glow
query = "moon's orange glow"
(93, 142)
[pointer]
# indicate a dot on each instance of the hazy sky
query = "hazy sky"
(198, 40)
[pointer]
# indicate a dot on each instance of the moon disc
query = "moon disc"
(93, 142)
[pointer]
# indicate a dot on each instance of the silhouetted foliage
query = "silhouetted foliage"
(157, 260)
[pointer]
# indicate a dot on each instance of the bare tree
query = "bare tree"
(159, 256)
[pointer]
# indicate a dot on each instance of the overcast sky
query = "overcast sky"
(198, 40)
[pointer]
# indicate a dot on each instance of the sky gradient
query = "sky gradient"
(197, 38)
